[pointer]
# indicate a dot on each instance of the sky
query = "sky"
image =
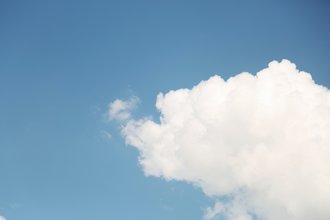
(65, 152)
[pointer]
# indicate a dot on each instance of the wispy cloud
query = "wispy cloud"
(106, 135)
(262, 141)
(120, 110)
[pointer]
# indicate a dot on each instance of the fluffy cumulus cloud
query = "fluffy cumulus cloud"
(258, 144)
(2, 218)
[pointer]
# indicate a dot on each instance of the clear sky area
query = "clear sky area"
(63, 62)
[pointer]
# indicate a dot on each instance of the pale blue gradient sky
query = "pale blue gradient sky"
(62, 62)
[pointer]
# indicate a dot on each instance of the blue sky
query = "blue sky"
(63, 62)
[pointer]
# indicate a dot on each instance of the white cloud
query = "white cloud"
(2, 218)
(120, 110)
(106, 135)
(262, 142)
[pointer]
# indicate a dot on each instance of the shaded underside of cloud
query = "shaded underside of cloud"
(261, 141)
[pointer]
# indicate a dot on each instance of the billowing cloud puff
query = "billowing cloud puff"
(258, 144)
(2, 218)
